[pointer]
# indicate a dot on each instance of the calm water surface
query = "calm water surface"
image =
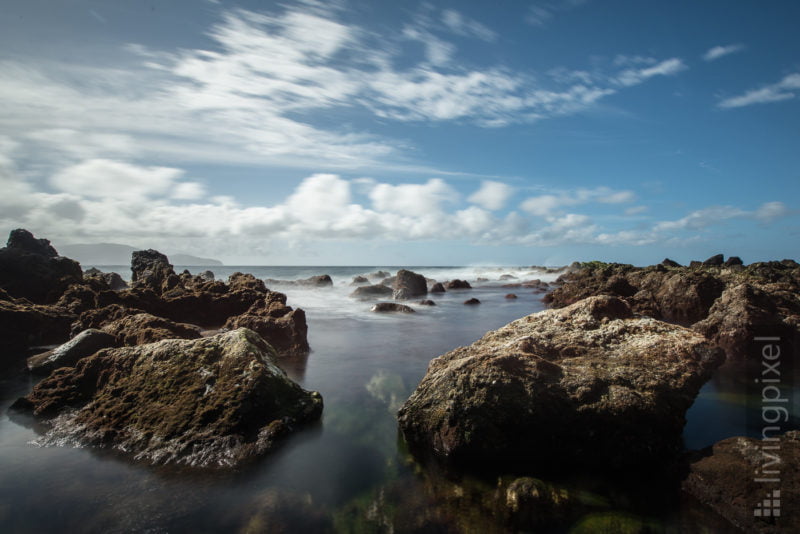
(349, 473)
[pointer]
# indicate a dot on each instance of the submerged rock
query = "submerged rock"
(31, 268)
(384, 307)
(322, 280)
(427, 302)
(588, 386)
(374, 291)
(437, 288)
(726, 478)
(216, 401)
(511, 296)
(408, 284)
(472, 302)
(359, 280)
(84, 344)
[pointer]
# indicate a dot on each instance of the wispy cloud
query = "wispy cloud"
(635, 76)
(551, 204)
(717, 52)
(786, 89)
(541, 12)
(465, 26)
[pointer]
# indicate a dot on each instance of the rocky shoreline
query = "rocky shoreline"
(136, 371)
(176, 368)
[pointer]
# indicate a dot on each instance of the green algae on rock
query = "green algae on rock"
(216, 401)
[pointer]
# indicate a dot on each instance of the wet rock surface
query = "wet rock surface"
(373, 291)
(724, 478)
(391, 307)
(588, 386)
(228, 401)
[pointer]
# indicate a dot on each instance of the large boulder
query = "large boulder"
(732, 479)
(210, 402)
(31, 268)
(457, 284)
(408, 284)
(84, 344)
(112, 279)
(587, 386)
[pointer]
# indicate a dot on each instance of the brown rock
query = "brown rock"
(144, 328)
(227, 401)
(587, 386)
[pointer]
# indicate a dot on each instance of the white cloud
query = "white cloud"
(188, 191)
(636, 210)
(550, 204)
(704, 218)
(491, 195)
(251, 97)
(107, 179)
(541, 12)
(635, 76)
(414, 199)
(786, 89)
(717, 52)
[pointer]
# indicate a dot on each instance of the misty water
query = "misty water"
(351, 471)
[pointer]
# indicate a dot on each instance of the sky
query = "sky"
(405, 133)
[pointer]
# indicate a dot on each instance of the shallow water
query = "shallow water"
(350, 472)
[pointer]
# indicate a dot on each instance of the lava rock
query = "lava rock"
(471, 302)
(584, 387)
(228, 402)
(371, 292)
(457, 284)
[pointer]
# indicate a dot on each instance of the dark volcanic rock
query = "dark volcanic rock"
(84, 344)
(724, 479)
(23, 240)
(113, 280)
(152, 270)
(370, 292)
(359, 280)
(142, 328)
(383, 307)
(282, 327)
(427, 302)
(437, 288)
(715, 260)
(408, 285)
(511, 296)
(744, 311)
(669, 263)
(733, 260)
(23, 325)
(227, 401)
(100, 317)
(471, 302)
(457, 284)
(587, 386)
(31, 268)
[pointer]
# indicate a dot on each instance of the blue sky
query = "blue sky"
(432, 133)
